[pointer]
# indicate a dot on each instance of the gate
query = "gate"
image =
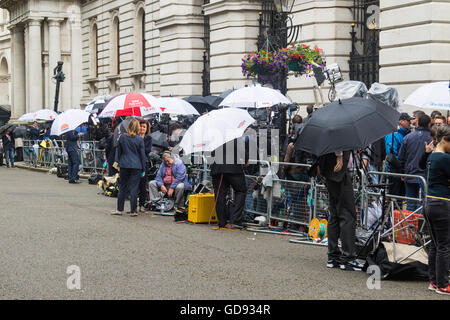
(364, 57)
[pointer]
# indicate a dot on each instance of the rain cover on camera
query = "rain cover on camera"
(385, 94)
(350, 89)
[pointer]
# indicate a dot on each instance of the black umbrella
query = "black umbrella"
(20, 132)
(159, 139)
(204, 104)
(224, 94)
(122, 128)
(9, 127)
(350, 124)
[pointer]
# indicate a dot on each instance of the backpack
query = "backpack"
(95, 178)
(61, 170)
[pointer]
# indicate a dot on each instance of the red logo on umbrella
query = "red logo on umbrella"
(241, 124)
(64, 126)
(162, 109)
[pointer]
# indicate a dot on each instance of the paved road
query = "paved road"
(47, 225)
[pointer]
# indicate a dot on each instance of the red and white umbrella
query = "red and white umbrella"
(130, 104)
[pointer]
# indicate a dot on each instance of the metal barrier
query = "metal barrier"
(48, 153)
(292, 200)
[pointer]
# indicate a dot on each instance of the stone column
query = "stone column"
(77, 83)
(233, 33)
(34, 55)
(18, 106)
(54, 55)
(180, 26)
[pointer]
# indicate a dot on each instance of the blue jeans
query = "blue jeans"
(73, 165)
(9, 156)
(412, 191)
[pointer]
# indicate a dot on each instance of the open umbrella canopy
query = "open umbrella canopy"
(122, 128)
(20, 132)
(44, 114)
(9, 127)
(350, 124)
(434, 95)
(203, 104)
(224, 94)
(176, 106)
(214, 129)
(254, 97)
(130, 104)
(159, 139)
(68, 120)
(97, 104)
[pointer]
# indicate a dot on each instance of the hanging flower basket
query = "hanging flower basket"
(264, 66)
(271, 67)
(302, 58)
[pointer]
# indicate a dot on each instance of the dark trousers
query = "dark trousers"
(111, 170)
(237, 182)
(73, 165)
(143, 196)
(143, 183)
(342, 220)
(129, 184)
(438, 214)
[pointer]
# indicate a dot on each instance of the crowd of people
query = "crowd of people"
(420, 147)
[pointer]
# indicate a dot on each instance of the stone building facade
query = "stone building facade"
(162, 46)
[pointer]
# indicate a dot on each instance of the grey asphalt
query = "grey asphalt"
(47, 225)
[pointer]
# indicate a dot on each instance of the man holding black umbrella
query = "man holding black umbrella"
(342, 220)
(330, 134)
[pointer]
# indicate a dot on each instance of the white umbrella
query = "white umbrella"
(434, 95)
(68, 120)
(214, 129)
(130, 104)
(176, 106)
(44, 114)
(254, 97)
(95, 105)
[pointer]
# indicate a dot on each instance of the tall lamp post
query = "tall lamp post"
(59, 76)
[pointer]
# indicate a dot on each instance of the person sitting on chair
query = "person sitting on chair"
(171, 179)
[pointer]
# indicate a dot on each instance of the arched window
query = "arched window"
(140, 40)
(115, 46)
(94, 50)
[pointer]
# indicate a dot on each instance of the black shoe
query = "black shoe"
(333, 263)
(352, 266)
(75, 182)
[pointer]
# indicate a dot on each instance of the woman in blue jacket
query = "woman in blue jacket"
(130, 158)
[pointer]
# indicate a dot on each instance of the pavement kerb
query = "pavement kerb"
(22, 166)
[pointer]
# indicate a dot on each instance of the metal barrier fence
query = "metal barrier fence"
(296, 199)
(49, 153)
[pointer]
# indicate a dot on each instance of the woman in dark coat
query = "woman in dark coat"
(144, 133)
(130, 158)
